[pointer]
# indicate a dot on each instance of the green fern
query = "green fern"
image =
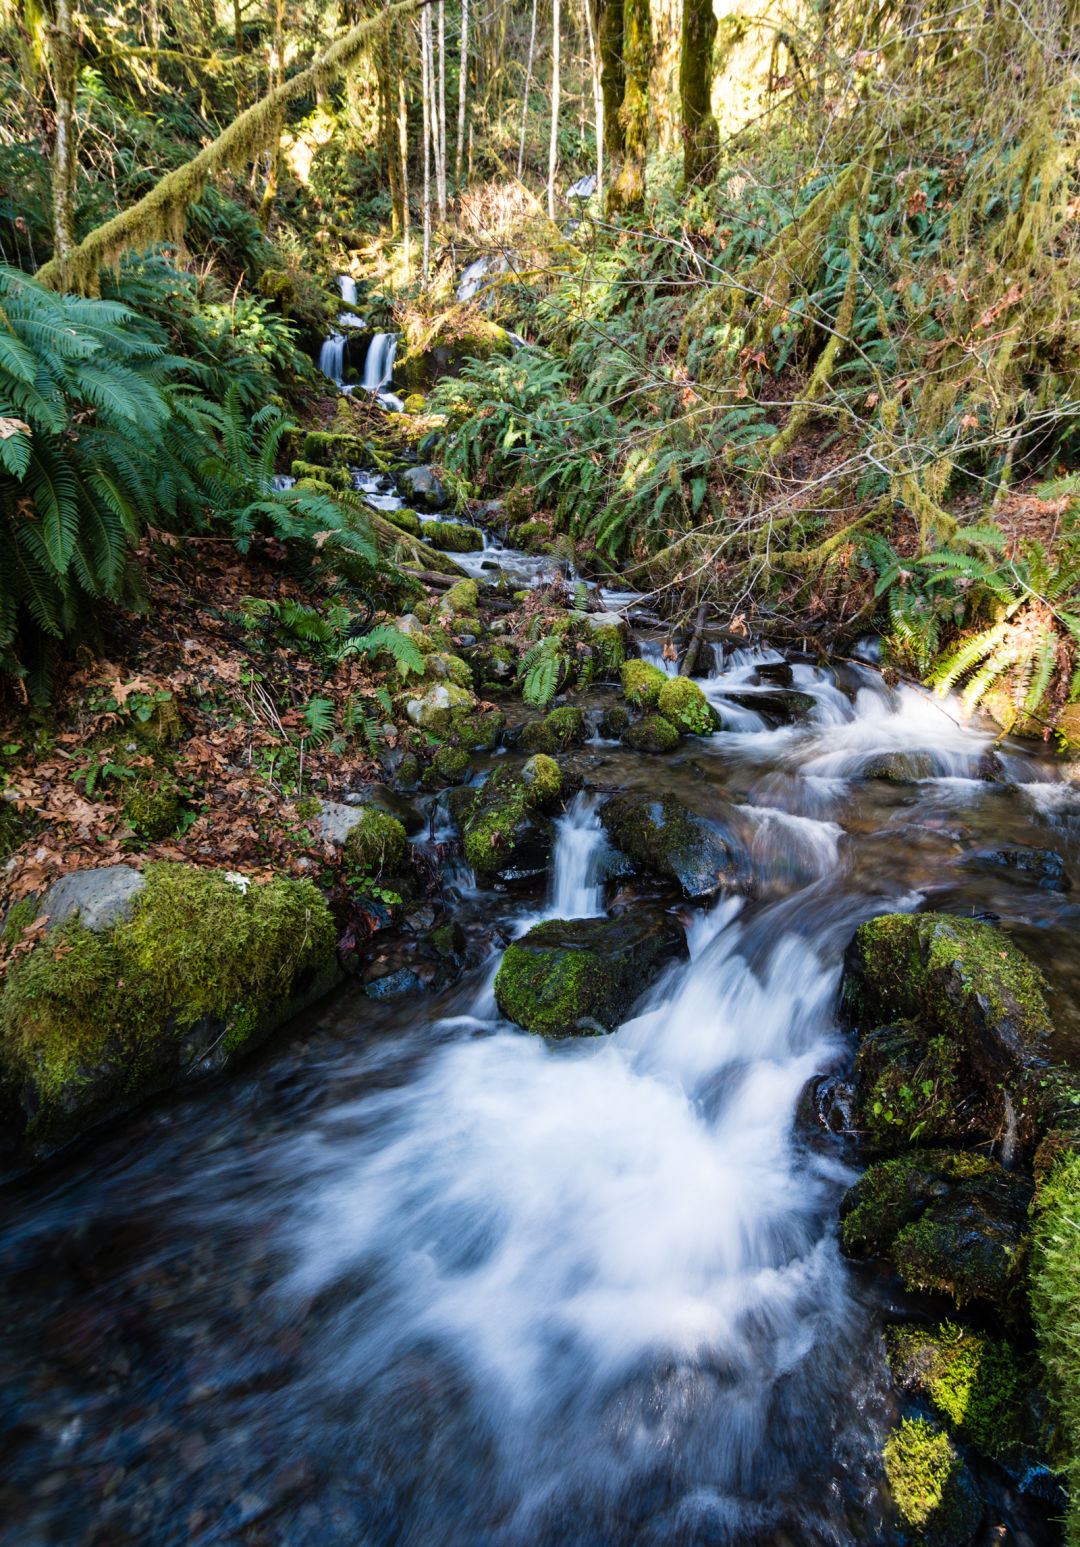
(405, 651)
(541, 671)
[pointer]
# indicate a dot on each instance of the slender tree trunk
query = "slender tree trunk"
(238, 50)
(528, 83)
(612, 79)
(629, 192)
(442, 111)
(553, 147)
(462, 89)
(598, 104)
(273, 155)
(403, 153)
(425, 71)
(700, 137)
(65, 72)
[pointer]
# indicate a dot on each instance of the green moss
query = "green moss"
(152, 807)
(907, 1086)
(517, 504)
(641, 683)
(531, 536)
(555, 732)
(450, 765)
(477, 732)
(609, 650)
(335, 450)
(1055, 1307)
(407, 776)
(976, 1383)
(891, 1193)
(461, 601)
(542, 781)
(316, 486)
(339, 477)
(407, 520)
(415, 403)
(377, 844)
(450, 537)
(158, 722)
(684, 704)
(929, 1484)
(17, 918)
(440, 667)
(652, 733)
(552, 993)
(87, 1019)
(614, 722)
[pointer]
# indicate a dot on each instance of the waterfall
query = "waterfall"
(332, 358)
(379, 361)
(576, 891)
(347, 286)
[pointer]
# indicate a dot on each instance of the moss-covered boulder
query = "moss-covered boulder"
(977, 1384)
(606, 638)
(581, 977)
(558, 730)
(338, 477)
(961, 980)
(652, 733)
(641, 683)
(440, 666)
(930, 1485)
(494, 666)
(332, 449)
(406, 520)
(505, 827)
(453, 537)
(461, 600)
(684, 705)
(449, 766)
(614, 722)
(951, 1222)
(907, 1088)
(376, 844)
(205, 966)
(672, 842)
(433, 709)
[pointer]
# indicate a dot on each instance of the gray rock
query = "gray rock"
(665, 837)
(1044, 867)
(425, 490)
(101, 898)
(336, 820)
(380, 795)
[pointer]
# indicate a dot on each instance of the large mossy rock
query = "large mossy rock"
(505, 824)
(684, 705)
(453, 537)
(580, 977)
(672, 842)
(979, 1385)
(642, 683)
(965, 976)
(652, 733)
(558, 730)
(952, 1222)
(200, 968)
(930, 1485)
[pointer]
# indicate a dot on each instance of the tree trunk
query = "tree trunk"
(628, 193)
(442, 111)
(666, 22)
(65, 73)
(612, 77)
(463, 69)
(425, 60)
(528, 83)
(238, 50)
(403, 153)
(700, 136)
(277, 75)
(598, 104)
(388, 128)
(553, 148)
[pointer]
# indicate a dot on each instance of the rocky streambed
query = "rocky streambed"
(552, 1226)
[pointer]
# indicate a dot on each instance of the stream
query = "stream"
(414, 1278)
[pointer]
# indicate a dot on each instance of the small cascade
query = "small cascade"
(332, 358)
(347, 286)
(282, 481)
(379, 361)
(576, 890)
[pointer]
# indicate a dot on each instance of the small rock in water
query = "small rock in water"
(1044, 867)
(424, 488)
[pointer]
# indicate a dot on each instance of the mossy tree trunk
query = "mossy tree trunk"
(700, 137)
(65, 71)
(612, 77)
(628, 193)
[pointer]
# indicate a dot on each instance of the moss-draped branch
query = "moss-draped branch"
(159, 214)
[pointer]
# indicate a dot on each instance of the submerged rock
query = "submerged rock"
(899, 767)
(663, 836)
(950, 1222)
(203, 967)
(580, 977)
(1043, 867)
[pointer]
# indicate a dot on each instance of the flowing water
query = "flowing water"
(419, 1278)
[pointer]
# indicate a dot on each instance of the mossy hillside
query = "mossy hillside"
(641, 683)
(377, 845)
(930, 1485)
(684, 705)
(1055, 1307)
(977, 1384)
(453, 537)
(89, 1022)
